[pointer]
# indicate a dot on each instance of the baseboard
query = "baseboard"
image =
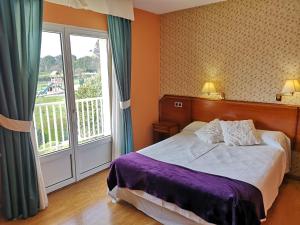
(292, 176)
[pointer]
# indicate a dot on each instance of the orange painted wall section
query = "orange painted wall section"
(60, 14)
(145, 87)
(145, 80)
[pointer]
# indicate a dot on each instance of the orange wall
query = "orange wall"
(145, 61)
(145, 75)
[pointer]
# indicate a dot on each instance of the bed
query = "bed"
(261, 167)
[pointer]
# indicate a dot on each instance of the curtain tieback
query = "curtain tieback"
(15, 125)
(125, 104)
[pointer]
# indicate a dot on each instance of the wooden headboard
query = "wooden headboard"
(168, 110)
(183, 110)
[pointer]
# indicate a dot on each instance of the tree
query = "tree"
(50, 63)
(47, 63)
(91, 88)
(58, 64)
(86, 64)
(74, 58)
(96, 50)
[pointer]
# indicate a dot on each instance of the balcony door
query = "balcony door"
(72, 110)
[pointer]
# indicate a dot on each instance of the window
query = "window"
(89, 60)
(50, 113)
(73, 89)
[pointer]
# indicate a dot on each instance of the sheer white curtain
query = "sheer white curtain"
(116, 117)
(41, 183)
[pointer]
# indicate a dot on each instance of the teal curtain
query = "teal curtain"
(120, 38)
(20, 41)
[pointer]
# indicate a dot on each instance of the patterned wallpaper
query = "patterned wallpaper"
(247, 47)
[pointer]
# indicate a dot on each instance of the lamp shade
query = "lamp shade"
(209, 87)
(290, 87)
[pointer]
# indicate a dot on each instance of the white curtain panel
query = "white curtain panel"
(120, 8)
(116, 117)
(41, 183)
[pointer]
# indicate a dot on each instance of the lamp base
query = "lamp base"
(222, 94)
(278, 97)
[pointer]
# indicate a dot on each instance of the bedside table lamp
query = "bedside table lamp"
(289, 88)
(210, 89)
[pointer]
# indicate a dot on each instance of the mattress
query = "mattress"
(263, 166)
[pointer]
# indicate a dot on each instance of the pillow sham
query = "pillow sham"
(240, 132)
(274, 138)
(192, 127)
(277, 139)
(211, 132)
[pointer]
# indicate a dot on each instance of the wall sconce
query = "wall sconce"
(210, 89)
(289, 88)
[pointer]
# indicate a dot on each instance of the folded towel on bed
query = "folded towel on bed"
(216, 199)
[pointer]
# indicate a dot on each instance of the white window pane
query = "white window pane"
(50, 113)
(90, 74)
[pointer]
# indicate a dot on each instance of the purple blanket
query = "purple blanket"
(216, 199)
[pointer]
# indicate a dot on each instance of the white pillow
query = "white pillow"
(277, 139)
(240, 132)
(274, 138)
(210, 133)
(192, 127)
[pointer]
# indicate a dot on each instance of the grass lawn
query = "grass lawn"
(47, 99)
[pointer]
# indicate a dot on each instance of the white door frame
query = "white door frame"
(69, 152)
(74, 148)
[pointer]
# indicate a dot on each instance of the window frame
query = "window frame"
(66, 31)
(74, 147)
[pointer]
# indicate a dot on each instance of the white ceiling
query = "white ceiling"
(165, 6)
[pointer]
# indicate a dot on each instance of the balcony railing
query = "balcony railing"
(51, 123)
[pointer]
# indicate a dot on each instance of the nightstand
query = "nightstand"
(163, 130)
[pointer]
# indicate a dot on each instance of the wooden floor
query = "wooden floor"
(87, 203)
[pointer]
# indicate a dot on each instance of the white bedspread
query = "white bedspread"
(262, 165)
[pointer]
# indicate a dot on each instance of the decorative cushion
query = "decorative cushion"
(240, 132)
(211, 132)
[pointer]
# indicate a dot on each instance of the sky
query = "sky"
(80, 46)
